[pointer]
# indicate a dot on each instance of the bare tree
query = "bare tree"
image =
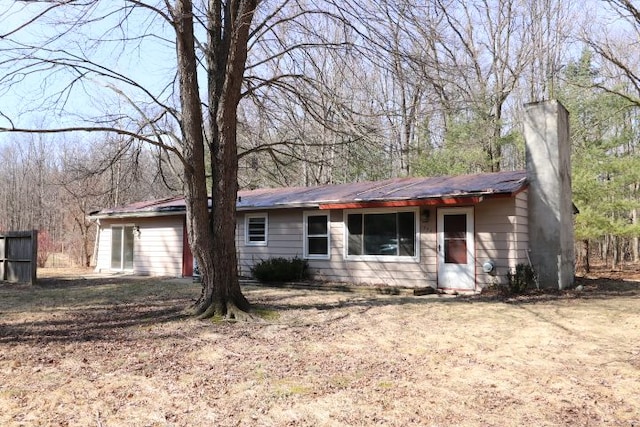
(86, 180)
(620, 65)
(188, 110)
(302, 104)
(455, 70)
(183, 128)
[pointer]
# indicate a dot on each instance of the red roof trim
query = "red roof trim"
(440, 201)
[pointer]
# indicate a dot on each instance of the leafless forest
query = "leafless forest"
(332, 92)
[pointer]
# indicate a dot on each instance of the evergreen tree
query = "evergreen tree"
(605, 164)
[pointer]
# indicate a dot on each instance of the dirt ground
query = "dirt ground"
(82, 350)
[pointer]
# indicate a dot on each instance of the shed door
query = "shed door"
(456, 249)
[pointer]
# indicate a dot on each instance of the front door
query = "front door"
(456, 249)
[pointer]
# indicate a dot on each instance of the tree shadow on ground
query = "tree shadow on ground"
(591, 288)
(88, 325)
(77, 310)
(285, 301)
(102, 309)
(600, 288)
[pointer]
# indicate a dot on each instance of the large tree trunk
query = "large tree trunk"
(211, 231)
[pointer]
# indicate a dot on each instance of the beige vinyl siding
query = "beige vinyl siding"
(429, 247)
(408, 273)
(285, 238)
(521, 230)
(501, 236)
(500, 231)
(157, 251)
(521, 216)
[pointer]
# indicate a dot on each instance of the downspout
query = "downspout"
(95, 247)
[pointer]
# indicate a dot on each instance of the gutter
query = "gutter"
(148, 214)
(94, 257)
(314, 205)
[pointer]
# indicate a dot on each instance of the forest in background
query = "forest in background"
(406, 89)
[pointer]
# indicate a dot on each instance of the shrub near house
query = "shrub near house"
(281, 270)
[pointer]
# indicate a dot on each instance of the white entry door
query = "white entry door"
(456, 249)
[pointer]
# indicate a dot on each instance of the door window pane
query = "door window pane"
(127, 248)
(116, 248)
(455, 226)
(455, 251)
(122, 242)
(455, 239)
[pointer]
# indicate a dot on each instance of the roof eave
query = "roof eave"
(278, 206)
(148, 214)
(444, 200)
(436, 200)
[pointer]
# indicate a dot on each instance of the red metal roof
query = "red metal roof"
(149, 207)
(398, 189)
(391, 192)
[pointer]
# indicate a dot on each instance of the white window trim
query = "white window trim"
(305, 241)
(264, 242)
(382, 258)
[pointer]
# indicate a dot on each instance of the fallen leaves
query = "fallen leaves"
(326, 358)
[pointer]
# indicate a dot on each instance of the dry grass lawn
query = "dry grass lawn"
(118, 352)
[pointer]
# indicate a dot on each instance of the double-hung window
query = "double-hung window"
(256, 229)
(316, 235)
(381, 235)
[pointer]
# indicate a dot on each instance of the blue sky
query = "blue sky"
(149, 61)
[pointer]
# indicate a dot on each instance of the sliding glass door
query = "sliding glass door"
(122, 247)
